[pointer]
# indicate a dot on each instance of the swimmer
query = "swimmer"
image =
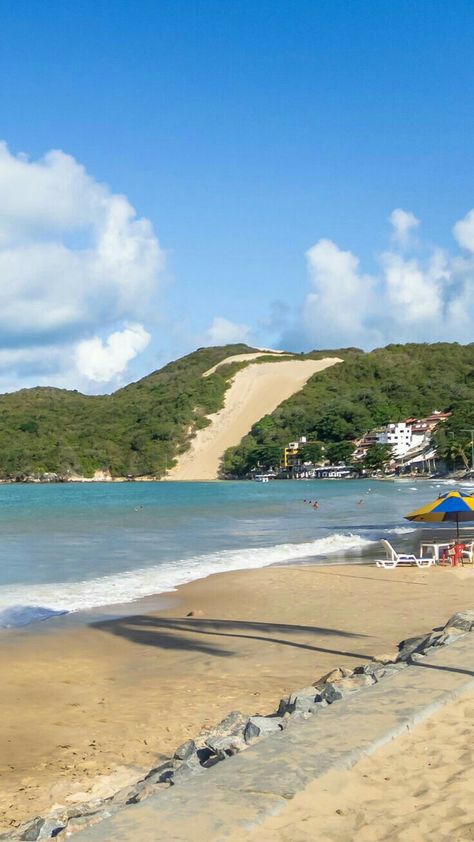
(315, 505)
(360, 502)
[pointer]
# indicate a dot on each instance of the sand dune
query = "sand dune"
(240, 358)
(255, 391)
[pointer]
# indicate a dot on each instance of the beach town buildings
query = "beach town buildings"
(410, 440)
(406, 438)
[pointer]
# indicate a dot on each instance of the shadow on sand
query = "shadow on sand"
(183, 634)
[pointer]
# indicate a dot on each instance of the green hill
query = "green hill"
(141, 428)
(137, 430)
(369, 389)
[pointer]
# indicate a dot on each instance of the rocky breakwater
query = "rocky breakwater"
(238, 732)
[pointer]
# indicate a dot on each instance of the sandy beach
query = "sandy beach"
(86, 709)
(417, 788)
(254, 392)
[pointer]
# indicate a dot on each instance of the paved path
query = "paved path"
(243, 791)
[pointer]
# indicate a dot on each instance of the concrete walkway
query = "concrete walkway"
(243, 791)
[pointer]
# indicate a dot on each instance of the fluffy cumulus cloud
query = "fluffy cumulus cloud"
(419, 293)
(76, 264)
(103, 361)
(223, 332)
(403, 224)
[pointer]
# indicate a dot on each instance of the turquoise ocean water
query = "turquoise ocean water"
(79, 546)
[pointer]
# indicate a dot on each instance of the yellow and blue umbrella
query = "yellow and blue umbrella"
(453, 506)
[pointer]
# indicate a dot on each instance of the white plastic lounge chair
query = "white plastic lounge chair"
(467, 555)
(395, 559)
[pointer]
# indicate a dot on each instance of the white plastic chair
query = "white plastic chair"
(467, 554)
(395, 559)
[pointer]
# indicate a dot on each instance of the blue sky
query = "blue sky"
(267, 143)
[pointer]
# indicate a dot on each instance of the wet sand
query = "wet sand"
(87, 708)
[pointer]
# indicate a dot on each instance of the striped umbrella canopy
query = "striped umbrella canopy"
(453, 506)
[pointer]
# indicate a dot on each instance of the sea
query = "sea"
(74, 547)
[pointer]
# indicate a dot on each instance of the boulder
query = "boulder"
(334, 675)
(416, 658)
(334, 690)
(416, 644)
(82, 822)
(302, 700)
(127, 795)
(185, 750)
(368, 669)
(233, 724)
(185, 771)
(226, 746)
(262, 726)
(84, 808)
(463, 620)
(37, 828)
(386, 670)
(160, 774)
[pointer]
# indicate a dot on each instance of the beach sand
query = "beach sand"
(418, 788)
(86, 709)
(254, 392)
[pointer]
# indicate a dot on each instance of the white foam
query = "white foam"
(401, 530)
(135, 584)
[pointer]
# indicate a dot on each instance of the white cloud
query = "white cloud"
(341, 295)
(224, 332)
(464, 231)
(103, 361)
(403, 223)
(410, 299)
(74, 257)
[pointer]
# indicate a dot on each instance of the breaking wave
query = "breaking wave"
(24, 604)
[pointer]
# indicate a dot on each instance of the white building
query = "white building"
(401, 437)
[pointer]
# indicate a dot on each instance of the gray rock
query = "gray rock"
(127, 795)
(82, 822)
(450, 635)
(37, 828)
(416, 644)
(141, 791)
(368, 669)
(86, 808)
(185, 750)
(302, 700)
(233, 724)
(262, 726)
(416, 658)
(335, 690)
(386, 670)
(463, 620)
(185, 771)
(226, 746)
(333, 675)
(159, 774)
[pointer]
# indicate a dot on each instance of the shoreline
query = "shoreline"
(117, 695)
(111, 480)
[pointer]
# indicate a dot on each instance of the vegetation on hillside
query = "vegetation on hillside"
(345, 401)
(137, 430)
(140, 429)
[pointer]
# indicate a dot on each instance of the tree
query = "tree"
(311, 452)
(340, 451)
(377, 456)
